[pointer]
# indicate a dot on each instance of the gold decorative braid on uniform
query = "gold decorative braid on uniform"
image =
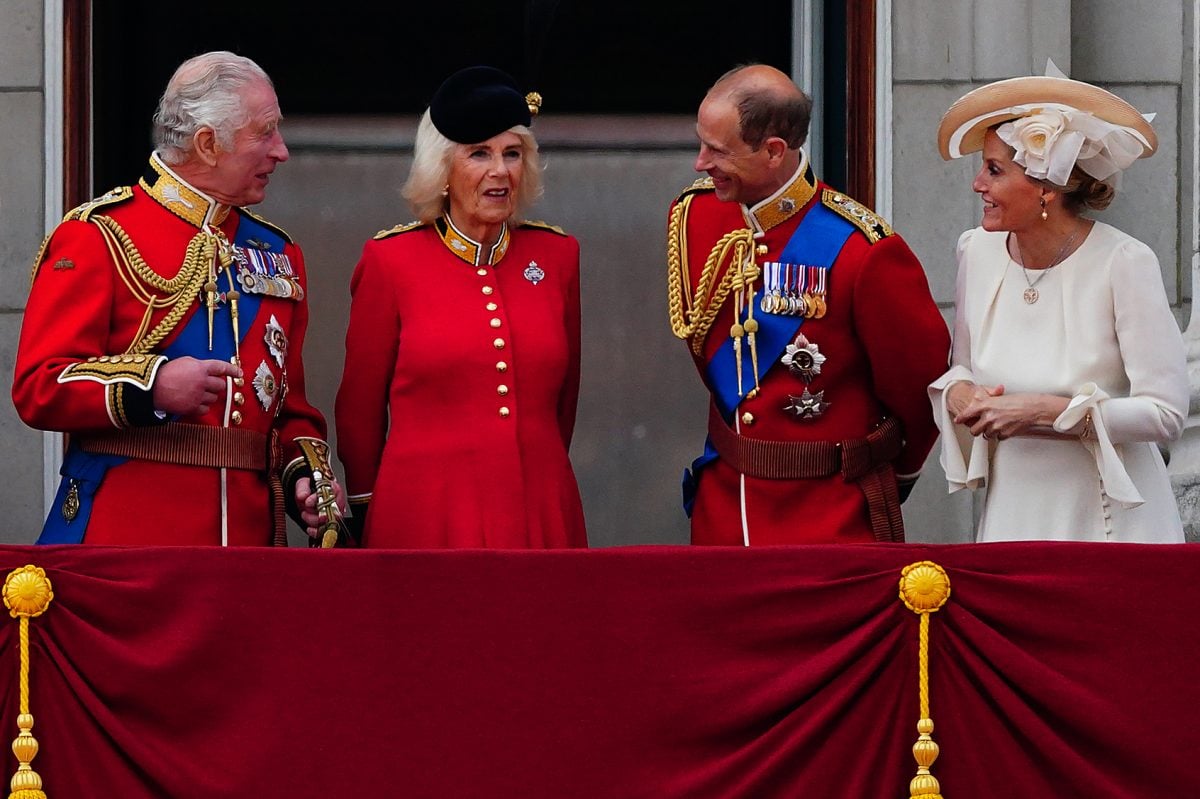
(81, 213)
(692, 318)
(108, 369)
(540, 225)
(143, 282)
(398, 229)
(871, 224)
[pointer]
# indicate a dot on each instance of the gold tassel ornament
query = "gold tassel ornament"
(924, 588)
(27, 594)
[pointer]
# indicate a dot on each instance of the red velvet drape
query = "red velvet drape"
(1064, 670)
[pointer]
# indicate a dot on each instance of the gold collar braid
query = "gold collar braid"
(181, 198)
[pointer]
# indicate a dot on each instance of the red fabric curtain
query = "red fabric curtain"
(1065, 670)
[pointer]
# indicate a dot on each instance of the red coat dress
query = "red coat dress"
(90, 350)
(457, 404)
(882, 340)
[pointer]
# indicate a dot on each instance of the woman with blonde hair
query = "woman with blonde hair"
(458, 397)
(1068, 369)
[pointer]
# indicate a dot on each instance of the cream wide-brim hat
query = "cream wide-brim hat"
(963, 127)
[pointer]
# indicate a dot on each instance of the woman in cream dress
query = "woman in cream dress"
(1068, 370)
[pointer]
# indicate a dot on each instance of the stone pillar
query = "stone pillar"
(1185, 454)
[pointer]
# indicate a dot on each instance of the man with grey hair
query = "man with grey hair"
(164, 331)
(812, 326)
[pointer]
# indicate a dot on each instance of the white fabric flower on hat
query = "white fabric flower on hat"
(1050, 140)
(1044, 144)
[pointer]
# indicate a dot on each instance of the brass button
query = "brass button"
(238, 398)
(504, 412)
(93, 359)
(126, 359)
(103, 359)
(752, 393)
(481, 272)
(239, 381)
(487, 290)
(501, 366)
(498, 343)
(139, 359)
(494, 323)
(491, 306)
(502, 390)
(237, 417)
(747, 418)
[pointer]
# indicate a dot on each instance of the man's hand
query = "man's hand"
(306, 501)
(189, 387)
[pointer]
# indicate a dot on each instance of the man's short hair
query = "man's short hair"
(763, 114)
(205, 91)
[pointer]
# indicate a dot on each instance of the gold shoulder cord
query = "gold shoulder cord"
(692, 317)
(153, 289)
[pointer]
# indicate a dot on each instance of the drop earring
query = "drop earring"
(1045, 213)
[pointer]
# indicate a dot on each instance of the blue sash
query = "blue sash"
(86, 470)
(816, 241)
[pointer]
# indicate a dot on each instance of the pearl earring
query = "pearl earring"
(1045, 213)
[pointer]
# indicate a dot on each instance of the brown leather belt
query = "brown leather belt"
(201, 445)
(866, 461)
(185, 445)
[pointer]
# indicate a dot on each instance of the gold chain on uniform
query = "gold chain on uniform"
(180, 290)
(692, 320)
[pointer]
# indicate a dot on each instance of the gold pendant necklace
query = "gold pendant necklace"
(1030, 295)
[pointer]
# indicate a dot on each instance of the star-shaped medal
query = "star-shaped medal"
(807, 405)
(803, 359)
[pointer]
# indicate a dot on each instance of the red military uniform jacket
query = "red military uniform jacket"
(457, 404)
(870, 351)
(118, 289)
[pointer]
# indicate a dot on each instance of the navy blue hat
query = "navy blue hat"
(476, 103)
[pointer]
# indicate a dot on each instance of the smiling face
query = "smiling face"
(240, 173)
(739, 173)
(483, 184)
(1011, 199)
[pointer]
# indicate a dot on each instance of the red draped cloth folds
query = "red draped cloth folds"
(1065, 670)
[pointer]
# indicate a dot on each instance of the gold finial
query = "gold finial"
(534, 101)
(924, 589)
(27, 594)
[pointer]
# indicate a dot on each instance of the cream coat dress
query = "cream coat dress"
(1100, 333)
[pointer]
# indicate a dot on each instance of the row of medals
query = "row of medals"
(802, 296)
(782, 295)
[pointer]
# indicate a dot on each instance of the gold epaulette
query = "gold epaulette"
(118, 195)
(700, 184)
(870, 223)
(269, 225)
(540, 225)
(398, 229)
(82, 213)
